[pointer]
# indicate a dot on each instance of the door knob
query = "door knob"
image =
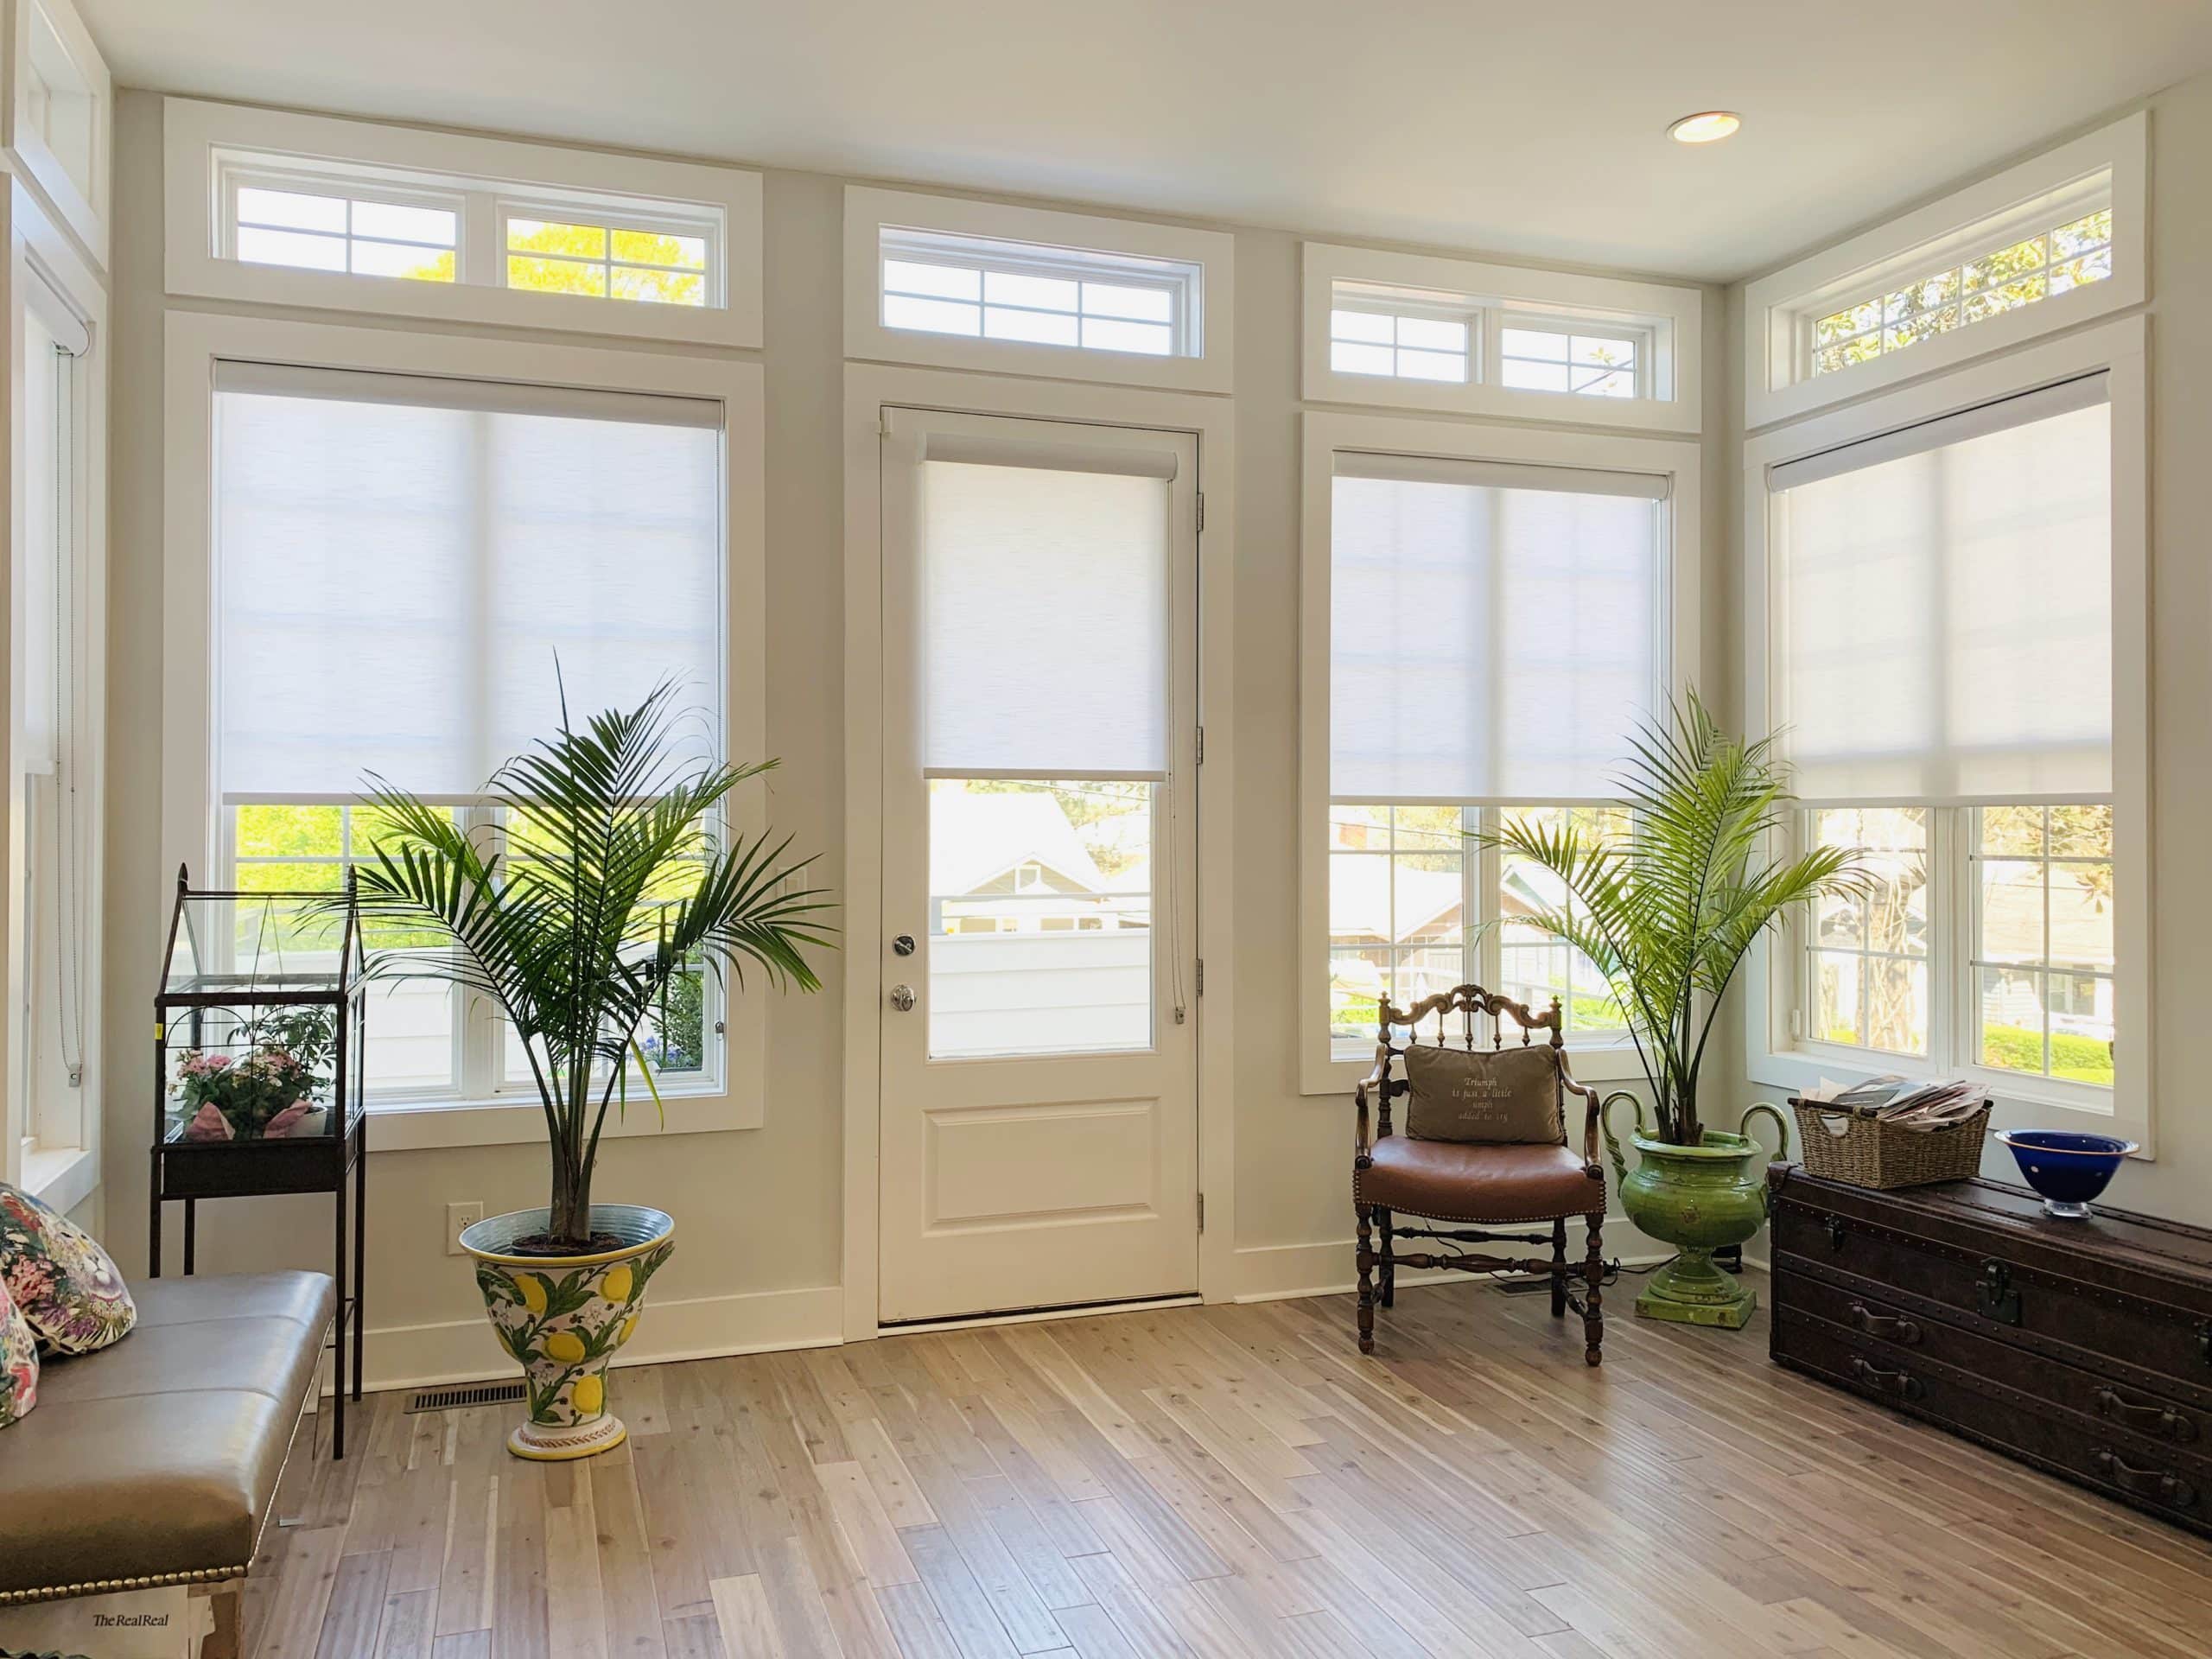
(903, 945)
(902, 998)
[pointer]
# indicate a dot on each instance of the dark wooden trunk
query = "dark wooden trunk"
(2082, 1347)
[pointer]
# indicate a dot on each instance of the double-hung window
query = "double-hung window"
(1941, 665)
(1494, 631)
(402, 564)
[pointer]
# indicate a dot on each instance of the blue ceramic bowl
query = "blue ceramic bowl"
(2068, 1167)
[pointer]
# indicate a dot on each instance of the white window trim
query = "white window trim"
(1668, 320)
(1327, 435)
(194, 132)
(84, 213)
(868, 390)
(1208, 316)
(190, 832)
(56, 1155)
(1779, 386)
(1772, 1058)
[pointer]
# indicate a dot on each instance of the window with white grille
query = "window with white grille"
(939, 283)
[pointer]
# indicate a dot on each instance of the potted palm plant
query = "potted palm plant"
(605, 884)
(1666, 909)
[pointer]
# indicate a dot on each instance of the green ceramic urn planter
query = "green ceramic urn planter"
(1700, 1199)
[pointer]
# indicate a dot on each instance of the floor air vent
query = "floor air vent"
(473, 1394)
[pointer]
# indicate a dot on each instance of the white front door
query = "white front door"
(1039, 1100)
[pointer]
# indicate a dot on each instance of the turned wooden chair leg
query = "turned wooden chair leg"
(1390, 1261)
(1594, 1318)
(1366, 1262)
(1559, 1267)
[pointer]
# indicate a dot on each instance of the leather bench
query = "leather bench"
(155, 1462)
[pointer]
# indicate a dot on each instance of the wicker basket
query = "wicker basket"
(1867, 1152)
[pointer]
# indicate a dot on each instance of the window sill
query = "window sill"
(60, 1177)
(430, 1126)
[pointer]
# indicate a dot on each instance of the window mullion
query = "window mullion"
(1479, 907)
(1953, 911)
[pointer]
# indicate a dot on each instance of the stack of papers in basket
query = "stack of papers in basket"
(1902, 1101)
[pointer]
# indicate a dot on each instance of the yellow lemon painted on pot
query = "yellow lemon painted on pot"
(628, 1325)
(533, 1287)
(615, 1288)
(588, 1396)
(565, 1346)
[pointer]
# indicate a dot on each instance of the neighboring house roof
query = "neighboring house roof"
(1359, 901)
(2080, 925)
(976, 838)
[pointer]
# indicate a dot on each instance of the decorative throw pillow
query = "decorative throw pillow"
(65, 1285)
(18, 1361)
(1498, 1096)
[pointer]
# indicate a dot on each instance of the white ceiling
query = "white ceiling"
(1532, 130)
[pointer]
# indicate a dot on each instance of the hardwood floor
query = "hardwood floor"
(1230, 1481)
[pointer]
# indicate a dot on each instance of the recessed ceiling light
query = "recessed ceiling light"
(1704, 127)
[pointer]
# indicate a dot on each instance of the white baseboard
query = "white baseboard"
(464, 1350)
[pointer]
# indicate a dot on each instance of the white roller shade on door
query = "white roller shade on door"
(1942, 608)
(399, 560)
(1044, 624)
(1493, 630)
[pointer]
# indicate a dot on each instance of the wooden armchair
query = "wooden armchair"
(1489, 1183)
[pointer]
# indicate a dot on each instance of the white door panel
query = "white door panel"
(1039, 1123)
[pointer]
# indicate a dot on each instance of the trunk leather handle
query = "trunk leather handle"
(1903, 1384)
(2160, 1419)
(2161, 1484)
(1890, 1328)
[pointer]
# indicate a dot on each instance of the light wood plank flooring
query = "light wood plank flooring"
(1223, 1481)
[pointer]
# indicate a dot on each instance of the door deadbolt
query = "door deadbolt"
(903, 945)
(902, 998)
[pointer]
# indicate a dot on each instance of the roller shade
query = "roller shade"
(1941, 618)
(399, 559)
(1493, 630)
(1044, 591)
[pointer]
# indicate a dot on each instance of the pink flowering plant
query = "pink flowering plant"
(264, 1093)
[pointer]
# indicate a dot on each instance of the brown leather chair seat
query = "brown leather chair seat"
(1445, 1181)
(158, 1458)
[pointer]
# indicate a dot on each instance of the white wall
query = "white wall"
(758, 1211)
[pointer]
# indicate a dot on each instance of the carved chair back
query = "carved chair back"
(1464, 1015)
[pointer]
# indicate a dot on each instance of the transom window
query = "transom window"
(1986, 284)
(942, 284)
(315, 231)
(605, 260)
(1573, 360)
(375, 221)
(1405, 345)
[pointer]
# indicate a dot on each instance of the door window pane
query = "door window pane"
(1040, 917)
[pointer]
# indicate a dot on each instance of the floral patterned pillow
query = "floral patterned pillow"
(18, 1361)
(64, 1284)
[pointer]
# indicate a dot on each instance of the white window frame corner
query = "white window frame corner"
(869, 211)
(198, 136)
(1669, 317)
(2117, 347)
(869, 389)
(83, 210)
(1325, 435)
(190, 833)
(1779, 386)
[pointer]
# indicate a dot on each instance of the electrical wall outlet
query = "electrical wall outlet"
(459, 1216)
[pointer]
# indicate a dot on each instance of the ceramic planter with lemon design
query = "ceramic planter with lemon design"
(564, 1317)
